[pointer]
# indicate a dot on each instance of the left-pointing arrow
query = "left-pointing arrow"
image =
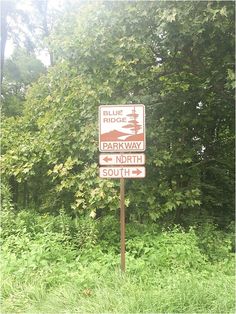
(106, 159)
(137, 172)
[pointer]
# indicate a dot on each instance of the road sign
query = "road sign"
(122, 128)
(121, 159)
(122, 172)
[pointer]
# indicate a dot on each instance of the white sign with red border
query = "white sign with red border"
(122, 128)
(121, 159)
(122, 172)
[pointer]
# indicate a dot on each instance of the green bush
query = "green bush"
(45, 272)
(7, 210)
(169, 249)
(214, 243)
(6, 197)
(109, 233)
(33, 254)
(80, 232)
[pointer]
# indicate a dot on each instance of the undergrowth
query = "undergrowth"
(59, 265)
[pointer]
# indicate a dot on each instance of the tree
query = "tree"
(21, 70)
(203, 99)
(162, 54)
(13, 20)
(27, 27)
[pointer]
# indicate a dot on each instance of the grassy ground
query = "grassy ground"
(98, 288)
(45, 271)
(173, 293)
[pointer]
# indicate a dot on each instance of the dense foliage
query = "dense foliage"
(163, 54)
(60, 221)
(58, 265)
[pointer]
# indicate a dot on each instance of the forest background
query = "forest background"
(59, 220)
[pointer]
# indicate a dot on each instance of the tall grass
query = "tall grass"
(167, 272)
(88, 290)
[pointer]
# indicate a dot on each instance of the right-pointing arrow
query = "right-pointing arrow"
(137, 172)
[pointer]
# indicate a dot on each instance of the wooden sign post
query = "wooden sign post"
(122, 131)
(122, 223)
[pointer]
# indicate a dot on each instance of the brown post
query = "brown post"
(122, 223)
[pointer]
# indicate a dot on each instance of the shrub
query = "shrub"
(6, 197)
(169, 249)
(80, 232)
(214, 243)
(109, 233)
(7, 210)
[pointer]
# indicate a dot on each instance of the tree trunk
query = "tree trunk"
(44, 12)
(51, 58)
(4, 12)
(26, 195)
(14, 188)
